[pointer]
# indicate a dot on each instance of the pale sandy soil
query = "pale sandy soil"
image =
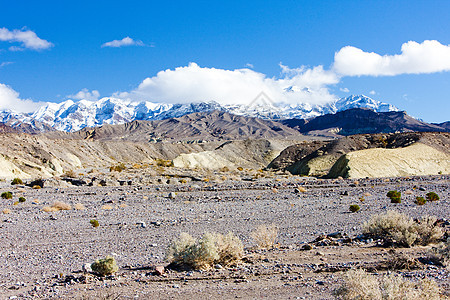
(39, 250)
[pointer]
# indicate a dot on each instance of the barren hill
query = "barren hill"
(336, 157)
(362, 120)
(216, 125)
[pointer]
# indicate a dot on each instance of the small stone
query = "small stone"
(307, 247)
(172, 195)
(87, 268)
(218, 266)
(159, 270)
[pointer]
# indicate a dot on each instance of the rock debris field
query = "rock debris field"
(42, 253)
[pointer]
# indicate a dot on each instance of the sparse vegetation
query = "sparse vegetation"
(6, 211)
(432, 196)
(210, 249)
(70, 174)
(359, 284)
(354, 207)
(16, 181)
(22, 199)
(420, 201)
(395, 196)
(94, 223)
(79, 206)
(163, 163)
(394, 228)
(7, 195)
(57, 206)
(107, 207)
(118, 168)
(265, 236)
(105, 266)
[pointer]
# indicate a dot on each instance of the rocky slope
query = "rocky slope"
(392, 154)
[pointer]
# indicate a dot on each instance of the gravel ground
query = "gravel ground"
(37, 246)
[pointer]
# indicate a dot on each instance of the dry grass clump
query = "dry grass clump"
(359, 284)
(265, 236)
(398, 229)
(79, 206)
(105, 266)
(57, 206)
(210, 249)
(6, 211)
(107, 207)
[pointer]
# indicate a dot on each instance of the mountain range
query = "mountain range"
(72, 116)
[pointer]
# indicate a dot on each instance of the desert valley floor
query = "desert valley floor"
(43, 253)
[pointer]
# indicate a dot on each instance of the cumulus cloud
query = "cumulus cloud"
(415, 58)
(126, 41)
(27, 38)
(195, 84)
(85, 94)
(9, 100)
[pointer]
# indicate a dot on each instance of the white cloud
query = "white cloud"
(427, 57)
(5, 63)
(194, 84)
(9, 99)
(126, 41)
(85, 94)
(372, 92)
(345, 90)
(249, 65)
(27, 38)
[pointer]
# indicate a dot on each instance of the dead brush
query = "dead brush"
(57, 206)
(265, 236)
(203, 253)
(359, 284)
(394, 228)
(400, 261)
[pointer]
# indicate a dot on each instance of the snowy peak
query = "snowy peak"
(72, 116)
(361, 101)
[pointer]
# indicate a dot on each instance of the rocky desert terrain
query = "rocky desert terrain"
(129, 191)
(43, 253)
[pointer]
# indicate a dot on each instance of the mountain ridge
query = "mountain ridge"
(71, 116)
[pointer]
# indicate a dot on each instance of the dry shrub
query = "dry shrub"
(123, 205)
(79, 206)
(265, 236)
(361, 285)
(401, 261)
(105, 266)
(358, 285)
(441, 254)
(6, 211)
(367, 194)
(398, 229)
(107, 207)
(36, 187)
(57, 206)
(210, 249)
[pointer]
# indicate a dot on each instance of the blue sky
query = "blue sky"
(277, 43)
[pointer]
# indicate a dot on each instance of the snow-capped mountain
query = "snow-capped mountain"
(72, 116)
